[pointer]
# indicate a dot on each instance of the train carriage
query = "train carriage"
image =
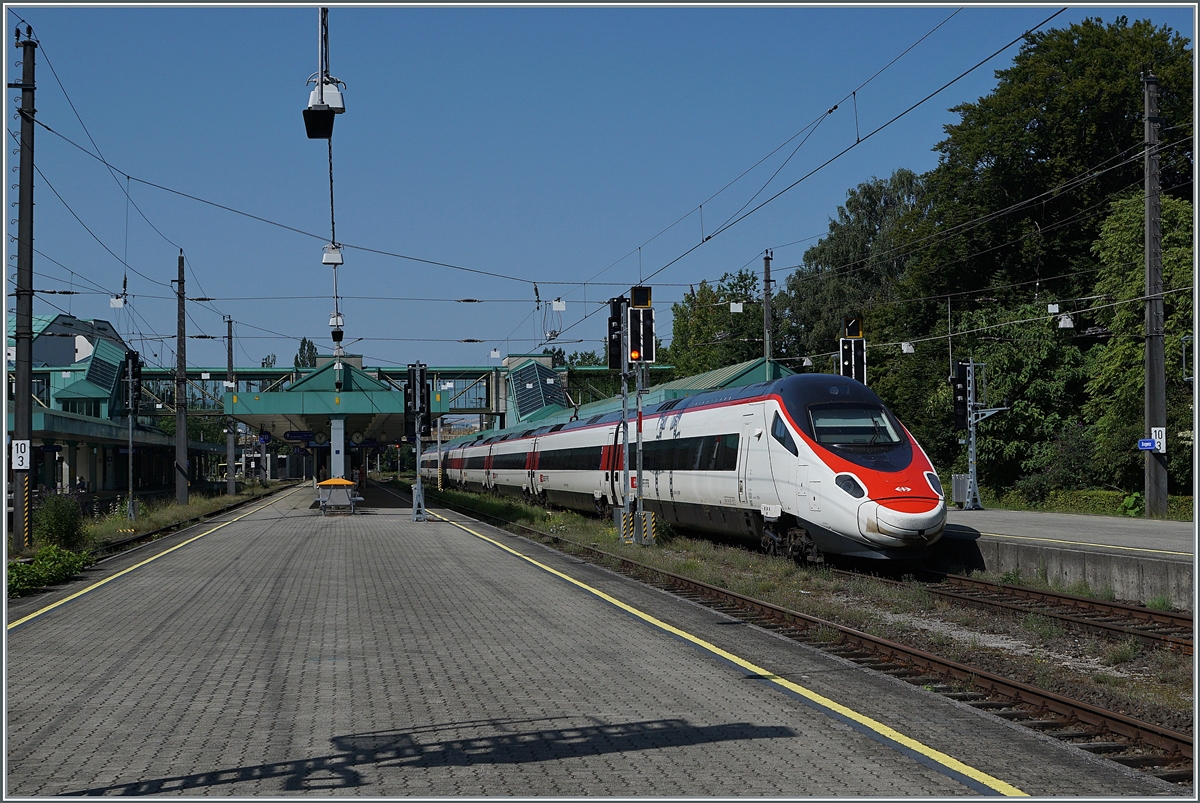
(808, 465)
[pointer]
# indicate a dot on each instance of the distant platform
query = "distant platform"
(1138, 559)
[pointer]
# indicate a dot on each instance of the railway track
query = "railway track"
(1160, 629)
(1160, 751)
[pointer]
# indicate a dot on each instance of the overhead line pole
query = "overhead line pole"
(181, 441)
(767, 307)
(23, 330)
(1156, 380)
(230, 424)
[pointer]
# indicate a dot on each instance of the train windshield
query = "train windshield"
(853, 425)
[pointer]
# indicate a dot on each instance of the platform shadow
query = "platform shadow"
(353, 753)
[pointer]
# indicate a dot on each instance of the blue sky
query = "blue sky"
(546, 145)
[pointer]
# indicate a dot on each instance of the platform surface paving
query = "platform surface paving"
(287, 653)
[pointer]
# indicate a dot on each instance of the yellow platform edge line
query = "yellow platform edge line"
(890, 733)
(123, 572)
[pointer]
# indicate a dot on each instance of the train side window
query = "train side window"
(780, 433)
(724, 453)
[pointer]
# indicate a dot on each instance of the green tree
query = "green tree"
(202, 428)
(706, 335)
(1022, 179)
(856, 265)
(1116, 390)
(306, 357)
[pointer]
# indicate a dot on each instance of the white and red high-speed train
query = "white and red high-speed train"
(809, 465)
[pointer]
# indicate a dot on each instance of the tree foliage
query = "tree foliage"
(707, 335)
(1116, 388)
(857, 265)
(1036, 199)
(306, 357)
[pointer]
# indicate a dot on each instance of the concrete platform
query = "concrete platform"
(286, 653)
(1138, 559)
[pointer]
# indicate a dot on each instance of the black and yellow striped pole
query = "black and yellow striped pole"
(22, 437)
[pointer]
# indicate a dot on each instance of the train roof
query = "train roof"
(796, 390)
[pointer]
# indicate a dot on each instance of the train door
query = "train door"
(531, 468)
(743, 462)
(614, 469)
(802, 500)
(754, 460)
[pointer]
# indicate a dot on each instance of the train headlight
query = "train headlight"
(850, 485)
(934, 483)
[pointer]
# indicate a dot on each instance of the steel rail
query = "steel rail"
(1111, 629)
(1181, 620)
(1114, 722)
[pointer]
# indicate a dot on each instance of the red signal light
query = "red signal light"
(635, 355)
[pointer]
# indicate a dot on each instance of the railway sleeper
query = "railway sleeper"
(990, 705)
(1045, 725)
(1102, 747)
(1143, 761)
(1179, 775)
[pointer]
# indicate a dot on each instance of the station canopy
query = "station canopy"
(372, 410)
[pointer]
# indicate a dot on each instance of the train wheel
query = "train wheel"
(770, 542)
(800, 546)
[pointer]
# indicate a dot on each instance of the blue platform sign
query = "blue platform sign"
(1146, 444)
(264, 437)
(292, 435)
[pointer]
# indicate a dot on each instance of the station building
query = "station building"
(81, 430)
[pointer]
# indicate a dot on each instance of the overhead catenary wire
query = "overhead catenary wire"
(841, 153)
(811, 126)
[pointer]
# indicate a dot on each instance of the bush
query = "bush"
(52, 564)
(24, 578)
(58, 521)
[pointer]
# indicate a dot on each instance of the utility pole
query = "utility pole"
(230, 424)
(181, 441)
(641, 510)
(22, 454)
(1156, 376)
(624, 516)
(767, 307)
(131, 505)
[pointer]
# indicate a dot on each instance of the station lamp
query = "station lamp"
(325, 101)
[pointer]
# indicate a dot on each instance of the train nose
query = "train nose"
(902, 522)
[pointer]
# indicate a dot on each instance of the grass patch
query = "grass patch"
(1122, 653)
(156, 515)
(1041, 627)
(1159, 603)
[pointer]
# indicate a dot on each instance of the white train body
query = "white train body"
(810, 464)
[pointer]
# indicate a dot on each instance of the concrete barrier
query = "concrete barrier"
(1131, 578)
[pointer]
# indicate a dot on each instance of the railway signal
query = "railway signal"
(959, 384)
(416, 424)
(853, 349)
(641, 335)
(616, 316)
